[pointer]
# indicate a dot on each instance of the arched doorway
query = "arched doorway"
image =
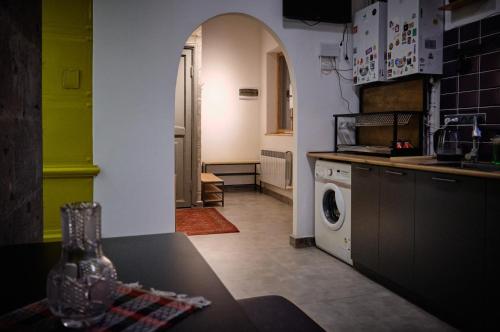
(135, 71)
(218, 122)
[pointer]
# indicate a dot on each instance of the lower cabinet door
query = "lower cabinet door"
(397, 201)
(365, 186)
(492, 284)
(449, 245)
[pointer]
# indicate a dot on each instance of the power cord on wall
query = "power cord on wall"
(346, 57)
(337, 71)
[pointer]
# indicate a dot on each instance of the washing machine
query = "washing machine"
(333, 208)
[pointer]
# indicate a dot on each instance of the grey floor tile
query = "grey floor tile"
(259, 261)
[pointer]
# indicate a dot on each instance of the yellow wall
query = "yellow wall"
(68, 168)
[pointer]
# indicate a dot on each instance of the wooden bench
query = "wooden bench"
(212, 189)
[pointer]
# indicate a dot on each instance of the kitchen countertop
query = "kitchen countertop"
(415, 163)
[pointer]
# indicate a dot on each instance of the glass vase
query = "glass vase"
(80, 286)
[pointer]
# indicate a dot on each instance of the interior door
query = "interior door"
(183, 123)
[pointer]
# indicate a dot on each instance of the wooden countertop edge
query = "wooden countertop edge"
(402, 162)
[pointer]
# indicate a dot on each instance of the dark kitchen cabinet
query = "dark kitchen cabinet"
(492, 261)
(449, 245)
(365, 185)
(396, 224)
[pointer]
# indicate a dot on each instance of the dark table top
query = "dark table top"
(165, 261)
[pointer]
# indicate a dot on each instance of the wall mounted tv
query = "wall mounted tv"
(331, 11)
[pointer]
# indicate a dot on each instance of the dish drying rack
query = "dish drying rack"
(397, 119)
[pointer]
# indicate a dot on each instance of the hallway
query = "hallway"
(259, 261)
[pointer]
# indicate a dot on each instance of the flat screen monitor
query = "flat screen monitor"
(331, 11)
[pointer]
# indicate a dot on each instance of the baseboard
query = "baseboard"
(302, 242)
(239, 187)
(278, 196)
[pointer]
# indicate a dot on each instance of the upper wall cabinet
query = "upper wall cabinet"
(369, 44)
(414, 37)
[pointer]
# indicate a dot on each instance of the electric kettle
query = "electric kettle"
(446, 144)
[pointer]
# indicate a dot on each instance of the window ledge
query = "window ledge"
(279, 134)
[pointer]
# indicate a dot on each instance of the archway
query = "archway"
(215, 114)
(135, 71)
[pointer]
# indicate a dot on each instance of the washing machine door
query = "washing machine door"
(333, 206)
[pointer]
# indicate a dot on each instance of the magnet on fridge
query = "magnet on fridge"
(391, 46)
(403, 41)
(354, 29)
(391, 24)
(368, 51)
(396, 28)
(404, 35)
(409, 40)
(414, 32)
(371, 57)
(354, 50)
(414, 15)
(405, 27)
(397, 42)
(389, 55)
(411, 25)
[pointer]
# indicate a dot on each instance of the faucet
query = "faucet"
(476, 136)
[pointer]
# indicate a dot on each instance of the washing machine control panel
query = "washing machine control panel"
(333, 171)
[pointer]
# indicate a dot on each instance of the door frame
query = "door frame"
(195, 46)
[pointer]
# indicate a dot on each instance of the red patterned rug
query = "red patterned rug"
(200, 221)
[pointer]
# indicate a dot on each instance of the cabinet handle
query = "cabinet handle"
(364, 168)
(444, 180)
(395, 173)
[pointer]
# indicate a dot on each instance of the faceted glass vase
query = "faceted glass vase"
(80, 286)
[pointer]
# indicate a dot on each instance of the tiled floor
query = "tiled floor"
(260, 261)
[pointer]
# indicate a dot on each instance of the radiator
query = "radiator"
(276, 168)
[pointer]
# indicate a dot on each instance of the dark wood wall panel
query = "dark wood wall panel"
(395, 96)
(20, 122)
(389, 97)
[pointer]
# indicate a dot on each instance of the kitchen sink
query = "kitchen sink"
(479, 166)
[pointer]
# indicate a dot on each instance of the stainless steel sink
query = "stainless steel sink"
(484, 167)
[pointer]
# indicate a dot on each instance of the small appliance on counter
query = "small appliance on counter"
(496, 150)
(446, 142)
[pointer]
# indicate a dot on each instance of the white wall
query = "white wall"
(231, 60)
(137, 45)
